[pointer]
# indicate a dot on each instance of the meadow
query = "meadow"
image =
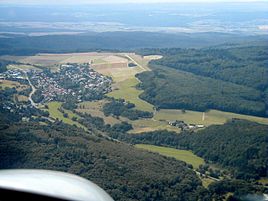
(183, 155)
(127, 90)
(53, 109)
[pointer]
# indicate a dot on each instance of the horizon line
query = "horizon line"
(129, 2)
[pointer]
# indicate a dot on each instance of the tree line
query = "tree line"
(125, 109)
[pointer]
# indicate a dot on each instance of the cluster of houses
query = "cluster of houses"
(71, 80)
(12, 74)
(183, 126)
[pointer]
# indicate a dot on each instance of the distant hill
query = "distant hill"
(11, 44)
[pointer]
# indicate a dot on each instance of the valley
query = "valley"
(124, 86)
(126, 91)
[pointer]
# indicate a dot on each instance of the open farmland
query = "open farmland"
(183, 155)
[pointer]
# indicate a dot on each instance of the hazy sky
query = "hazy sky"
(114, 1)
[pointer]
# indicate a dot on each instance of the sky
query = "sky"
(36, 2)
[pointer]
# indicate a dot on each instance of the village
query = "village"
(76, 81)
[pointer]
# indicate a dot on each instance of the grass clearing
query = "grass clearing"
(210, 117)
(56, 114)
(263, 180)
(148, 125)
(206, 181)
(94, 108)
(127, 90)
(183, 155)
(22, 98)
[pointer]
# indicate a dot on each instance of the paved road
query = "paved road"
(33, 88)
(32, 92)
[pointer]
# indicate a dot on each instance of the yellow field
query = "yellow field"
(209, 118)
(183, 155)
(56, 114)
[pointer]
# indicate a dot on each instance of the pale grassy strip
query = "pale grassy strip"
(211, 117)
(183, 155)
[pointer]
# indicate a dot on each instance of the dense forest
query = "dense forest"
(4, 64)
(228, 79)
(169, 88)
(123, 171)
(246, 66)
(239, 145)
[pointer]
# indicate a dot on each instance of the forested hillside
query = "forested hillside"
(239, 145)
(241, 65)
(123, 171)
(228, 79)
(169, 88)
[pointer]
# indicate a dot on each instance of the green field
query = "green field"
(56, 114)
(211, 117)
(128, 91)
(183, 155)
